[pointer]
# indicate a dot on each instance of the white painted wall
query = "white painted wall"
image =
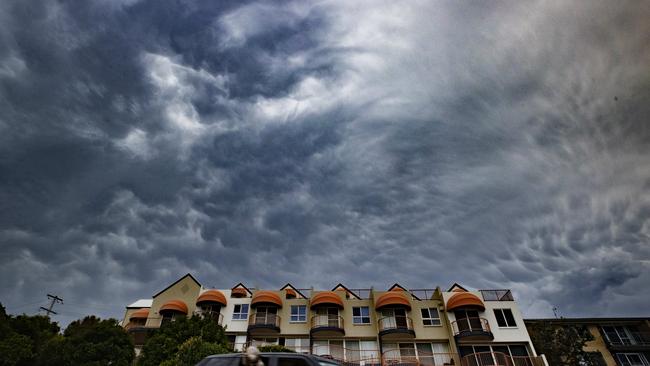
(502, 335)
(234, 326)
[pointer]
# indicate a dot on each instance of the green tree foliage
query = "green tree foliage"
(23, 338)
(36, 341)
(94, 342)
(194, 350)
(563, 345)
(165, 343)
(274, 348)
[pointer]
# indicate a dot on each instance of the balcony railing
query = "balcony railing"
(467, 325)
(217, 317)
(422, 293)
(500, 359)
(497, 295)
(264, 320)
(326, 321)
(348, 356)
(395, 323)
(395, 357)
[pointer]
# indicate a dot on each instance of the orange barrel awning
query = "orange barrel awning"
(142, 313)
(266, 297)
(213, 296)
(393, 299)
(464, 300)
(174, 305)
(326, 298)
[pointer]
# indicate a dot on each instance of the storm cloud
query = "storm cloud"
(500, 145)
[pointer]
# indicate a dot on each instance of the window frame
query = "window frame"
(361, 317)
(241, 315)
(505, 318)
(298, 315)
(429, 318)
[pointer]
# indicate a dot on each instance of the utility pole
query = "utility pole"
(55, 299)
(555, 311)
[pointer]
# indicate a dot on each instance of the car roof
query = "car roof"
(230, 355)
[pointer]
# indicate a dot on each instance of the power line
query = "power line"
(55, 299)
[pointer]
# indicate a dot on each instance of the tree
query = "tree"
(164, 343)
(563, 345)
(22, 338)
(94, 342)
(194, 350)
(36, 341)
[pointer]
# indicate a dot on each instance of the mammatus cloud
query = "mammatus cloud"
(500, 146)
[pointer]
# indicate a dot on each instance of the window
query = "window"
(622, 336)
(360, 315)
(505, 318)
(632, 359)
(300, 345)
(298, 313)
(240, 312)
(430, 316)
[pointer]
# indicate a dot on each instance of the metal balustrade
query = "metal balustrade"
(327, 321)
(395, 323)
(348, 356)
(500, 359)
(397, 357)
(264, 319)
(468, 325)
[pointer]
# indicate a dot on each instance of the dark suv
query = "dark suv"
(269, 359)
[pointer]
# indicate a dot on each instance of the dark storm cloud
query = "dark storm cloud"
(502, 146)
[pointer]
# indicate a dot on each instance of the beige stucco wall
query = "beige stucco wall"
(287, 328)
(429, 332)
(598, 344)
(185, 290)
(359, 330)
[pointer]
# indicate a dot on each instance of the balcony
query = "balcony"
(500, 359)
(264, 324)
(327, 325)
(348, 356)
(394, 357)
(497, 295)
(398, 327)
(472, 330)
(217, 317)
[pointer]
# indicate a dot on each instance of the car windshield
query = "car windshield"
(326, 363)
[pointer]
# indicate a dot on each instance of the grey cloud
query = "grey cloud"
(501, 146)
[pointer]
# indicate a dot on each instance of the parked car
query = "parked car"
(269, 359)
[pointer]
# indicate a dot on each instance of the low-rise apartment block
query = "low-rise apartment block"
(616, 341)
(355, 326)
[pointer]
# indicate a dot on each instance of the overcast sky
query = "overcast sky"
(499, 145)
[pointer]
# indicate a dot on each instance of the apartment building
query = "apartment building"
(356, 326)
(616, 341)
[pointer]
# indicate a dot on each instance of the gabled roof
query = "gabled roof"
(347, 290)
(244, 287)
(177, 281)
(456, 286)
(399, 286)
(293, 288)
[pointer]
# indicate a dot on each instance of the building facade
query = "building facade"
(356, 326)
(616, 341)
